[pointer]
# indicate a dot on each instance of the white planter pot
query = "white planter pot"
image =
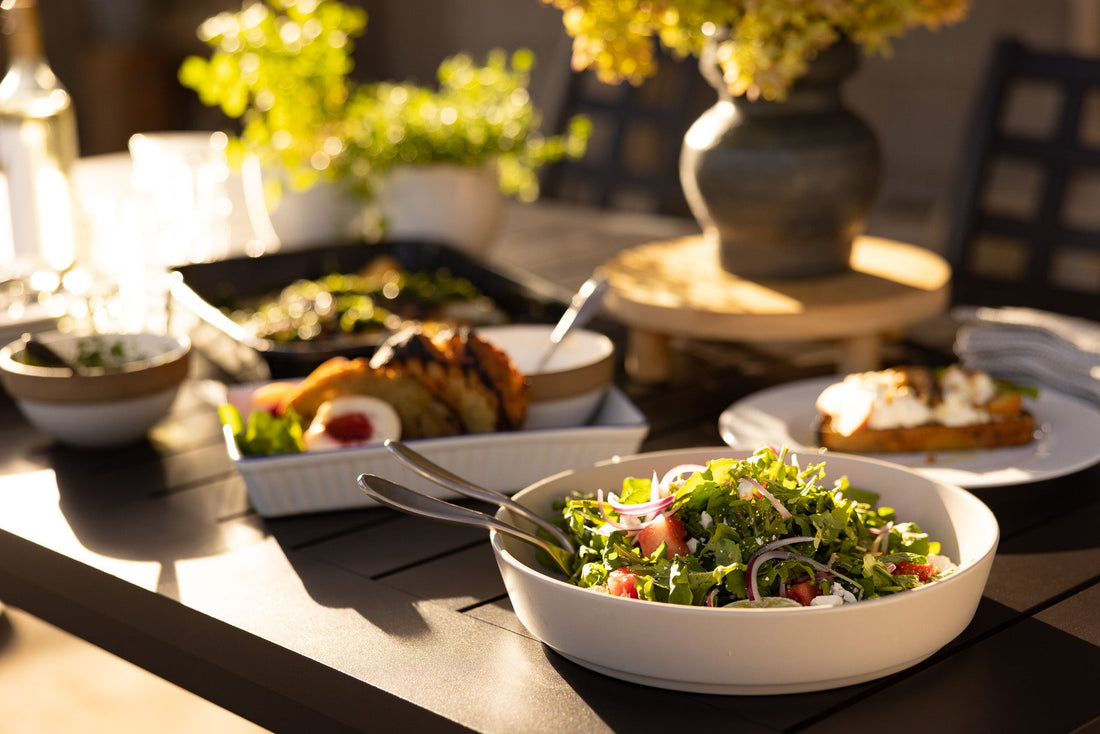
(444, 203)
(324, 214)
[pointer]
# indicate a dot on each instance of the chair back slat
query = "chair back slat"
(1034, 253)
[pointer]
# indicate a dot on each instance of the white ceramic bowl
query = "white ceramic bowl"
(567, 391)
(756, 651)
(100, 407)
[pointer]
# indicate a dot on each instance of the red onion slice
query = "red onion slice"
(783, 511)
(677, 472)
(607, 518)
(881, 543)
(641, 508)
(768, 552)
(784, 541)
(753, 569)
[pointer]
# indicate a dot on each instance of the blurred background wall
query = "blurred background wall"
(119, 58)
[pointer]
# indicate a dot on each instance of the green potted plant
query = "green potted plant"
(282, 68)
(779, 173)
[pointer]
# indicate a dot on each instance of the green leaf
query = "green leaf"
(264, 434)
(300, 91)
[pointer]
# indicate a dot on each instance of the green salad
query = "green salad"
(757, 532)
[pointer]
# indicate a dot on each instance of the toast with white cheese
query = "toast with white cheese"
(920, 409)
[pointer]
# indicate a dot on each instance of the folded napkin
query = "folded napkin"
(1032, 347)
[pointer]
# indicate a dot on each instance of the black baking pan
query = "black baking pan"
(200, 292)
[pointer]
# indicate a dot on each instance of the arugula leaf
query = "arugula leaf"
(1005, 386)
(264, 434)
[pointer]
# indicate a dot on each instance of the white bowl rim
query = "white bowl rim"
(177, 345)
(603, 346)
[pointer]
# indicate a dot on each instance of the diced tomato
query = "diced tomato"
(922, 571)
(350, 428)
(621, 583)
(803, 593)
(667, 530)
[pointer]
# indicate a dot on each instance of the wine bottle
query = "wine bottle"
(38, 145)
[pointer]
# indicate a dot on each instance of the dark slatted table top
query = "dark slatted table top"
(368, 620)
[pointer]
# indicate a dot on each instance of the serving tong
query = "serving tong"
(413, 502)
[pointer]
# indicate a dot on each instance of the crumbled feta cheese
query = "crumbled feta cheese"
(692, 544)
(705, 519)
(942, 564)
(894, 406)
(957, 410)
(826, 600)
(975, 387)
(964, 394)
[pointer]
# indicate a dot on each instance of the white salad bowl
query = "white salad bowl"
(755, 651)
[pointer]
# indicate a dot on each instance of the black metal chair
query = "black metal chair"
(1025, 224)
(633, 157)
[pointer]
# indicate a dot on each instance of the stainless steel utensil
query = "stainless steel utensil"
(400, 497)
(45, 355)
(431, 471)
(584, 305)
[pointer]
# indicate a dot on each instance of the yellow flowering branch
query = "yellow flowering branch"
(764, 45)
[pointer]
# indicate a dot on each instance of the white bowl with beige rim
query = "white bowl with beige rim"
(568, 389)
(123, 385)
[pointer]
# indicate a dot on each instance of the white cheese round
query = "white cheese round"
(352, 420)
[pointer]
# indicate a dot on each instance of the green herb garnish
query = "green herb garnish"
(264, 434)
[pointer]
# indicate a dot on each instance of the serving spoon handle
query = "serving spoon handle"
(584, 305)
(45, 354)
(400, 497)
(431, 471)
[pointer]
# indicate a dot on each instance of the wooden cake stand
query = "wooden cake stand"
(676, 288)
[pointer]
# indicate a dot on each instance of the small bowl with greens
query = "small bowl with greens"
(114, 389)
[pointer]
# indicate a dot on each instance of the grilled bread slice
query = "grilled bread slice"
(1011, 432)
(934, 410)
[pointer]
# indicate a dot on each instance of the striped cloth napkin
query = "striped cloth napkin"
(1031, 346)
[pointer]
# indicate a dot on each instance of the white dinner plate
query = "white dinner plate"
(1066, 437)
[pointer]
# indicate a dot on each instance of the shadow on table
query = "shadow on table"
(378, 562)
(1025, 513)
(7, 631)
(927, 692)
(117, 504)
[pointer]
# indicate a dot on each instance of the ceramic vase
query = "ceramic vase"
(783, 188)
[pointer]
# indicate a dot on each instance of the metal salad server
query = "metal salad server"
(400, 497)
(45, 354)
(431, 471)
(584, 305)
